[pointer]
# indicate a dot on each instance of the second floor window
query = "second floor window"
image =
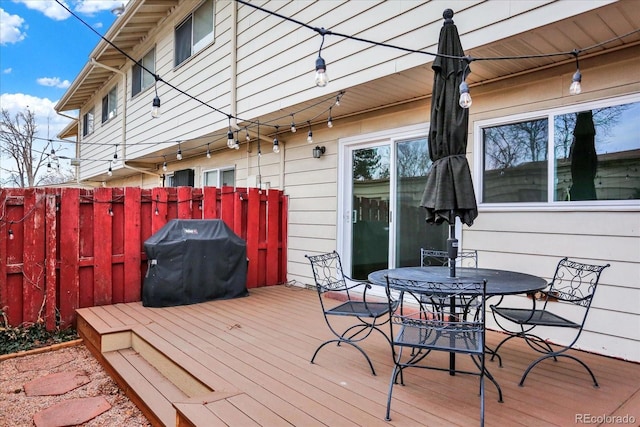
(194, 33)
(109, 104)
(87, 123)
(141, 79)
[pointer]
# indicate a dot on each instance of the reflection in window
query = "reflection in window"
(219, 178)
(87, 123)
(194, 33)
(515, 162)
(109, 104)
(597, 154)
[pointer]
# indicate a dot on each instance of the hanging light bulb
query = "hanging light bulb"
(246, 135)
(115, 156)
(53, 153)
(164, 165)
(330, 119)
(321, 78)
(309, 135)
(465, 97)
(110, 211)
(179, 153)
(49, 167)
(10, 234)
(236, 143)
(576, 86)
(276, 143)
(110, 171)
(293, 125)
(208, 152)
(230, 140)
(155, 107)
(337, 104)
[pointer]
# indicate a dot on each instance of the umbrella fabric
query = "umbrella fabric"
(449, 189)
(584, 160)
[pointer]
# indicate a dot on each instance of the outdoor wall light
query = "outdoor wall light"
(318, 152)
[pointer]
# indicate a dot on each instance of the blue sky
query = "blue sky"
(42, 50)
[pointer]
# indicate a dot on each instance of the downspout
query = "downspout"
(123, 150)
(77, 154)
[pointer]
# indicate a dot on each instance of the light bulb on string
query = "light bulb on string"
(10, 233)
(208, 151)
(246, 134)
(576, 80)
(179, 153)
(293, 125)
(110, 171)
(321, 77)
(155, 105)
(236, 142)
(330, 119)
(164, 164)
(115, 156)
(309, 134)
(276, 143)
(465, 97)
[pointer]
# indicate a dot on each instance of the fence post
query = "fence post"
(69, 255)
(133, 244)
(51, 256)
(102, 246)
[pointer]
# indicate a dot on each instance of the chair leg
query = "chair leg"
(394, 376)
(339, 341)
(555, 355)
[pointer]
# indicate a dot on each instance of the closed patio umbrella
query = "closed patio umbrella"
(449, 189)
(584, 160)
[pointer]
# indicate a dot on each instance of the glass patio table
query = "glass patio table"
(499, 282)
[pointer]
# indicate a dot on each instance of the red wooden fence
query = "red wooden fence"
(67, 248)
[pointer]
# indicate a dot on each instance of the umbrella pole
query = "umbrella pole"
(452, 249)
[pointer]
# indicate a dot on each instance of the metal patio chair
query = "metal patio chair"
(570, 293)
(430, 327)
(433, 258)
(368, 315)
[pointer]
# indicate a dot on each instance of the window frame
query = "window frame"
(550, 204)
(88, 125)
(199, 46)
(140, 80)
(109, 108)
(219, 172)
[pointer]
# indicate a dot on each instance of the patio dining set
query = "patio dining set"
(426, 311)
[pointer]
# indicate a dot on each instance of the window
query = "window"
(194, 33)
(219, 178)
(591, 153)
(141, 79)
(87, 123)
(109, 104)
(182, 178)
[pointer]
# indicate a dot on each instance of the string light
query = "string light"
(10, 232)
(110, 171)
(330, 119)
(157, 212)
(179, 153)
(164, 165)
(576, 86)
(236, 143)
(309, 134)
(465, 98)
(115, 156)
(321, 78)
(208, 151)
(155, 105)
(110, 211)
(293, 125)
(276, 143)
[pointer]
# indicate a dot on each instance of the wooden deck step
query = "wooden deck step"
(148, 386)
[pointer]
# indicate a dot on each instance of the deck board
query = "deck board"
(258, 348)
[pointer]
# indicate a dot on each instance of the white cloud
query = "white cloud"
(49, 8)
(54, 82)
(98, 25)
(7, 70)
(46, 116)
(10, 28)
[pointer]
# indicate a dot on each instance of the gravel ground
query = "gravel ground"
(17, 409)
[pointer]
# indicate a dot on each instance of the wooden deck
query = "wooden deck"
(245, 362)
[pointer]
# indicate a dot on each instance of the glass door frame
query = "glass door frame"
(346, 146)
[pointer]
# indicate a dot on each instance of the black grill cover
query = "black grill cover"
(191, 261)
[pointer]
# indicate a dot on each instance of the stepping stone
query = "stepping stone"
(55, 384)
(71, 412)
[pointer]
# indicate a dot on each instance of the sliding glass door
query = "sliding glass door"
(384, 226)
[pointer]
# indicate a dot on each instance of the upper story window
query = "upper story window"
(219, 177)
(590, 153)
(109, 104)
(141, 79)
(194, 33)
(87, 123)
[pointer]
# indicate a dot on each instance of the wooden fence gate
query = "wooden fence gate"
(67, 248)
